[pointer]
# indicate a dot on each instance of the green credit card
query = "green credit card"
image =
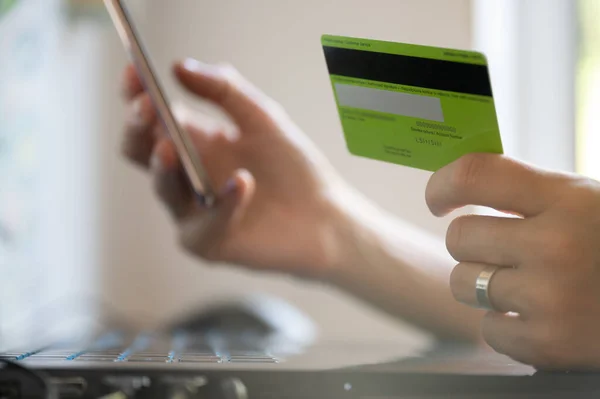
(418, 106)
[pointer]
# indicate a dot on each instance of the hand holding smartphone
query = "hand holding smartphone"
(190, 159)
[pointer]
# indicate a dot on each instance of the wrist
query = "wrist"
(355, 239)
(398, 269)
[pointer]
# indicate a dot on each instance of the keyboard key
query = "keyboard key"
(199, 359)
(252, 360)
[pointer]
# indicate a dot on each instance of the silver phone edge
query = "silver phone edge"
(189, 158)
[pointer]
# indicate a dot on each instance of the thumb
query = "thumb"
(235, 197)
(205, 232)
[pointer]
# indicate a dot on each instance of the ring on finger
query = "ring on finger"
(482, 287)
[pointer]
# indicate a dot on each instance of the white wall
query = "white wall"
(276, 44)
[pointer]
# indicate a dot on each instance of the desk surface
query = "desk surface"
(456, 360)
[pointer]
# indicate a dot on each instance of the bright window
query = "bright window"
(532, 50)
(588, 89)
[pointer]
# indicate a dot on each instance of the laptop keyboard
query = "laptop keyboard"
(146, 348)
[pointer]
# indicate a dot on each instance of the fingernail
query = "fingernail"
(230, 187)
(194, 65)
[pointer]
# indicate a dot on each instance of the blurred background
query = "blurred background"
(83, 242)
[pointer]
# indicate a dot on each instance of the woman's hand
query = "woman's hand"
(283, 208)
(277, 192)
(548, 259)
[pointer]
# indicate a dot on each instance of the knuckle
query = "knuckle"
(469, 171)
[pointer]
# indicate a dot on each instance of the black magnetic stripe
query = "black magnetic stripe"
(408, 70)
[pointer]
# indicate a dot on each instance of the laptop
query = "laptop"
(210, 363)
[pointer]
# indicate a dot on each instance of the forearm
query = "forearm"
(400, 269)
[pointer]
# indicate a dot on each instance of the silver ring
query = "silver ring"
(482, 287)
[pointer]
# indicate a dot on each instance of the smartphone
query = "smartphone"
(190, 159)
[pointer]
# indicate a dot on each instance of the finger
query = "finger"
(131, 85)
(216, 151)
(509, 335)
(170, 182)
(205, 231)
(488, 239)
(491, 180)
(505, 288)
(226, 88)
(138, 138)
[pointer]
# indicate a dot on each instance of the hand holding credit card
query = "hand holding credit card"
(417, 106)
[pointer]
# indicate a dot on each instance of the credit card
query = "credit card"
(412, 105)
